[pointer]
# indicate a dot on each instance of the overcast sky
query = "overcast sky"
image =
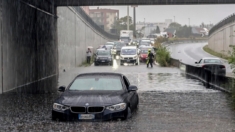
(182, 13)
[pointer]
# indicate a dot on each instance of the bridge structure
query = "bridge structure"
(38, 38)
(138, 2)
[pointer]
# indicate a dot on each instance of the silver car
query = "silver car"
(214, 65)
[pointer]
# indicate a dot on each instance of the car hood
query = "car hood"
(76, 98)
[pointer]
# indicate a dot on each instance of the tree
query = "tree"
(175, 25)
(121, 24)
(202, 25)
(184, 31)
(157, 30)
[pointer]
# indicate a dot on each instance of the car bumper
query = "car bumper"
(105, 115)
(143, 58)
(128, 61)
(103, 62)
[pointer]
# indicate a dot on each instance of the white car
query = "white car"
(129, 54)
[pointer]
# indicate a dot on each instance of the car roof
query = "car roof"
(100, 73)
(129, 47)
(210, 58)
(146, 47)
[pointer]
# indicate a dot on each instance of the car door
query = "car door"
(132, 95)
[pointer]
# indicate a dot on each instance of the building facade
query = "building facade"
(105, 18)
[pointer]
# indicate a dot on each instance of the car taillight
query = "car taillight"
(222, 66)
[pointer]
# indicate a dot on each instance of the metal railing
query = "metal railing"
(225, 21)
(80, 11)
(209, 79)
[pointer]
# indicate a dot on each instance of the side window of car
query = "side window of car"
(126, 82)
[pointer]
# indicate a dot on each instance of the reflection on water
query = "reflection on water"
(167, 82)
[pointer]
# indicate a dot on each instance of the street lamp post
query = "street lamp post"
(134, 17)
(127, 17)
(174, 18)
(189, 22)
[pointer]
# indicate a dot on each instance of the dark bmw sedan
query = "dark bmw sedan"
(103, 56)
(95, 97)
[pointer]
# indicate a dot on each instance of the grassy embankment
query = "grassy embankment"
(212, 52)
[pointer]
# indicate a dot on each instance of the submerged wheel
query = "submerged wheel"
(129, 114)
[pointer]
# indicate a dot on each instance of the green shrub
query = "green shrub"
(163, 56)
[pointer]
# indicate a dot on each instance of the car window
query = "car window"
(212, 61)
(97, 83)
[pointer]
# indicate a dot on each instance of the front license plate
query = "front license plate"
(102, 61)
(86, 116)
(127, 60)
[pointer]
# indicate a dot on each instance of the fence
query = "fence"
(226, 21)
(94, 25)
(207, 76)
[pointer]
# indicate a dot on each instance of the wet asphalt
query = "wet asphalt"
(169, 102)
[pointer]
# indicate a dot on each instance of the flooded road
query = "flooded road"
(169, 102)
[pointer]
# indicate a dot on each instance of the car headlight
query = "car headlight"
(110, 58)
(60, 107)
(117, 107)
(135, 57)
(121, 57)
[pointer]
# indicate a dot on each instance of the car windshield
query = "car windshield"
(100, 83)
(144, 52)
(103, 52)
(119, 45)
(145, 43)
(125, 39)
(109, 43)
(128, 51)
(212, 61)
(108, 46)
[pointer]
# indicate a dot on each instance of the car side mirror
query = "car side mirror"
(61, 88)
(196, 62)
(132, 88)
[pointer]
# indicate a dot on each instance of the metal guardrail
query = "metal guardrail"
(225, 21)
(94, 25)
(209, 79)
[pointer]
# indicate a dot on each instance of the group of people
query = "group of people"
(149, 60)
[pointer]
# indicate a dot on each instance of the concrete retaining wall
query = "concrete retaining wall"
(29, 47)
(74, 36)
(220, 40)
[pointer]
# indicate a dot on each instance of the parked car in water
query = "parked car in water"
(103, 56)
(214, 65)
(129, 54)
(95, 97)
(143, 53)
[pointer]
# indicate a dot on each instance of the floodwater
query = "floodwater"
(169, 102)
